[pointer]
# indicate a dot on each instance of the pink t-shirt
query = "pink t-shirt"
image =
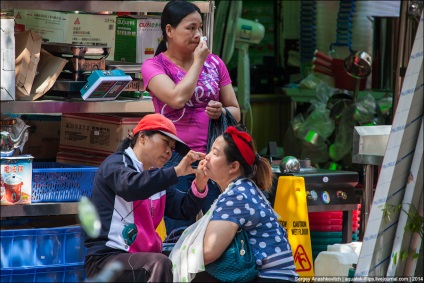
(191, 121)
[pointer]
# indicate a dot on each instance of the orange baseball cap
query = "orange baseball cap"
(158, 122)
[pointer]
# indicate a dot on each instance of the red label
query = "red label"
(77, 22)
(301, 260)
(19, 27)
(149, 51)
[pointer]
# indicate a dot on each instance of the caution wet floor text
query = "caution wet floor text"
(290, 204)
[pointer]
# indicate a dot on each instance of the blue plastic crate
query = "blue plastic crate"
(58, 273)
(5, 275)
(57, 182)
(74, 273)
(49, 246)
(42, 247)
(17, 248)
(50, 274)
(74, 245)
(62, 273)
(62, 245)
(23, 275)
(5, 245)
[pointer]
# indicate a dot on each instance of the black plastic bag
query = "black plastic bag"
(171, 239)
(218, 126)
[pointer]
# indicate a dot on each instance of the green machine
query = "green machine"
(238, 33)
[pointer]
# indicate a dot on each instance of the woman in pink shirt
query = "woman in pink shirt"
(188, 85)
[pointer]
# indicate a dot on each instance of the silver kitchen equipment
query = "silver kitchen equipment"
(369, 147)
(326, 190)
(358, 65)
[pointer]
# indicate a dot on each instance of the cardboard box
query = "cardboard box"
(94, 134)
(44, 136)
(66, 27)
(7, 58)
(68, 157)
(137, 38)
(49, 69)
(16, 180)
(27, 56)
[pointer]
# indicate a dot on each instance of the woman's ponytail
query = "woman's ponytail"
(161, 47)
(264, 176)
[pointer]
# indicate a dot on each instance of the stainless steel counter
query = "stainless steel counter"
(39, 209)
(78, 106)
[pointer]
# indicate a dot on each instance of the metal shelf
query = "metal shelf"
(306, 94)
(39, 209)
(117, 106)
(97, 6)
(206, 7)
(52, 106)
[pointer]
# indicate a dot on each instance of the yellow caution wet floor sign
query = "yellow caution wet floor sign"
(290, 203)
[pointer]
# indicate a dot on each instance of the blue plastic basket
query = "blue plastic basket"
(28, 248)
(57, 182)
(56, 274)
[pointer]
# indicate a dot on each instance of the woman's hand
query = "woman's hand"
(201, 52)
(184, 167)
(201, 177)
(214, 109)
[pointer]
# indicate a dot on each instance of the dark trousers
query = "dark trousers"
(137, 267)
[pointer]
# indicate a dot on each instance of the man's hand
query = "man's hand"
(184, 167)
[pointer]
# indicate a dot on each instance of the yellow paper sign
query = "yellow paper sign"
(290, 203)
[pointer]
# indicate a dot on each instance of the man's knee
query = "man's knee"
(162, 260)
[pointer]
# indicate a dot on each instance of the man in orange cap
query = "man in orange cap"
(131, 194)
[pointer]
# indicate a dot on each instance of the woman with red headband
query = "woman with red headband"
(242, 174)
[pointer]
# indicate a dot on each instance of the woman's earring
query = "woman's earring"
(166, 43)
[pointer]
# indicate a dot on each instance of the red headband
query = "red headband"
(241, 139)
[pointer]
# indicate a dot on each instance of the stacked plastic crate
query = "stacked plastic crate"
(307, 34)
(344, 25)
(326, 229)
(49, 254)
(43, 255)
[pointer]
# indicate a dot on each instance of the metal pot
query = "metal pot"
(9, 144)
(358, 64)
(337, 104)
(289, 164)
(13, 188)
